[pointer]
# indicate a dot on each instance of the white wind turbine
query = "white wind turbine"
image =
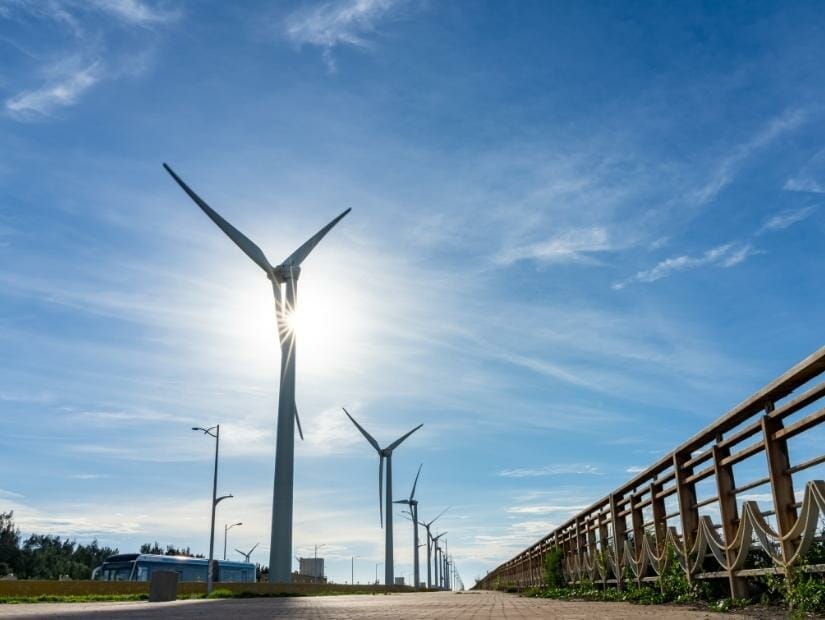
(247, 553)
(286, 274)
(385, 454)
(413, 504)
(427, 526)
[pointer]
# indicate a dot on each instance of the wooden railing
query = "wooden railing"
(699, 500)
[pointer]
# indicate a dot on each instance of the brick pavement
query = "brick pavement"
(423, 606)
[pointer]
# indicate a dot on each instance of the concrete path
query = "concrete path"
(449, 605)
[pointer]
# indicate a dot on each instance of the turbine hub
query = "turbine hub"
(285, 272)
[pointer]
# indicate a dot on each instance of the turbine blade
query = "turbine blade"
(298, 421)
(241, 240)
(439, 514)
(253, 548)
(298, 256)
(369, 437)
(412, 495)
(381, 487)
(402, 501)
(397, 442)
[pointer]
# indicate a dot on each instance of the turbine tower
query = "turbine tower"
(437, 560)
(385, 454)
(413, 504)
(286, 275)
(427, 526)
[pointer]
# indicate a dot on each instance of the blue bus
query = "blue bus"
(140, 566)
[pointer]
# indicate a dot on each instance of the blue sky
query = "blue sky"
(580, 232)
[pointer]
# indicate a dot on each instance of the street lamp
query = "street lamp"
(226, 529)
(215, 499)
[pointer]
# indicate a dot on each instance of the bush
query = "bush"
(553, 574)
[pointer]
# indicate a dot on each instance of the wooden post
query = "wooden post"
(776, 451)
(659, 521)
(729, 513)
(688, 513)
(619, 527)
(637, 520)
(603, 545)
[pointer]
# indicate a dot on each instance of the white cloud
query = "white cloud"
(342, 22)
(635, 469)
(727, 169)
(804, 185)
(541, 509)
(783, 220)
(134, 11)
(550, 470)
(64, 90)
(570, 247)
(726, 255)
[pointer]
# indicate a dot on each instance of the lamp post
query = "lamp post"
(226, 529)
(315, 563)
(215, 499)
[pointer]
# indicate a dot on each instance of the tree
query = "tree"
(9, 543)
(156, 549)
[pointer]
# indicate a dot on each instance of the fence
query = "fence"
(699, 500)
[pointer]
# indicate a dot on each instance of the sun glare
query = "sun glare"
(325, 323)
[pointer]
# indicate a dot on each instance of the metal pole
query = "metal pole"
(388, 555)
(416, 572)
(280, 555)
(352, 572)
(214, 504)
(429, 558)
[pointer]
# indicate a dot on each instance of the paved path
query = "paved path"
(449, 605)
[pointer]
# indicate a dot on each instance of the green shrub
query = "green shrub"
(221, 593)
(553, 573)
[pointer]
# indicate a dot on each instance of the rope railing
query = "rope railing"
(627, 534)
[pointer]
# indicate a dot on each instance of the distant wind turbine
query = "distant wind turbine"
(385, 454)
(427, 526)
(413, 504)
(249, 553)
(280, 550)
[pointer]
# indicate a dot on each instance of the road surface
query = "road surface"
(449, 605)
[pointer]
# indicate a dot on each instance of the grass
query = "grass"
(75, 598)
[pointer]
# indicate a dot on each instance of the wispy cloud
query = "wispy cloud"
(634, 469)
(545, 509)
(135, 11)
(86, 30)
(343, 22)
(726, 255)
(573, 246)
(785, 219)
(727, 169)
(551, 470)
(70, 81)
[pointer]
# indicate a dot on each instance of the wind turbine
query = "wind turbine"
(280, 553)
(249, 553)
(413, 504)
(437, 552)
(426, 526)
(384, 454)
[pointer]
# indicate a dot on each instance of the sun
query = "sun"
(326, 322)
